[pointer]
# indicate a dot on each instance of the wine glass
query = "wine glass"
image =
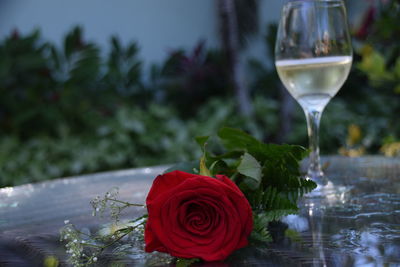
(313, 56)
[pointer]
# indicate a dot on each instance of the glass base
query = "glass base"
(318, 177)
(322, 191)
(324, 186)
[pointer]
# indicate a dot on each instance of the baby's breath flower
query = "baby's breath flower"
(84, 248)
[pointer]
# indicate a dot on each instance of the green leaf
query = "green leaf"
(397, 89)
(181, 262)
(203, 167)
(250, 183)
(235, 139)
(214, 164)
(251, 168)
(115, 44)
(202, 141)
(260, 232)
(374, 65)
(397, 68)
(261, 235)
(276, 215)
(272, 202)
(229, 155)
(219, 167)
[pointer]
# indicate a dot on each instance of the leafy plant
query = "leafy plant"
(43, 87)
(25, 82)
(379, 71)
(380, 63)
(380, 52)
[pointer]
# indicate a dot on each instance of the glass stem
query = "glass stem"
(314, 170)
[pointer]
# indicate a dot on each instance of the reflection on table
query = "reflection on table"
(354, 222)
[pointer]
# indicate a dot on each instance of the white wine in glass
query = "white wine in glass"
(313, 57)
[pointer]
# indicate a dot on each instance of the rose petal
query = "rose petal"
(152, 242)
(193, 216)
(166, 182)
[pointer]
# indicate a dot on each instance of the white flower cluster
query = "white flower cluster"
(100, 204)
(75, 246)
(84, 248)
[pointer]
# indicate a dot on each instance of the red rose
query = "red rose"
(195, 216)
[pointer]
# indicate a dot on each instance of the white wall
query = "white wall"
(270, 11)
(157, 25)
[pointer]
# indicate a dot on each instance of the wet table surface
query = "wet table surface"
(354, 223)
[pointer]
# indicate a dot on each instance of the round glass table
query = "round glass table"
(356, 222)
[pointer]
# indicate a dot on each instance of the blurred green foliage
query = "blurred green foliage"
(370, 98)
(188, 79)
(133, 137)
(74, 109)
(379, 51)
(43, 87)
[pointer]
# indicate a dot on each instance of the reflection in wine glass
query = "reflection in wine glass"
(313, 56)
